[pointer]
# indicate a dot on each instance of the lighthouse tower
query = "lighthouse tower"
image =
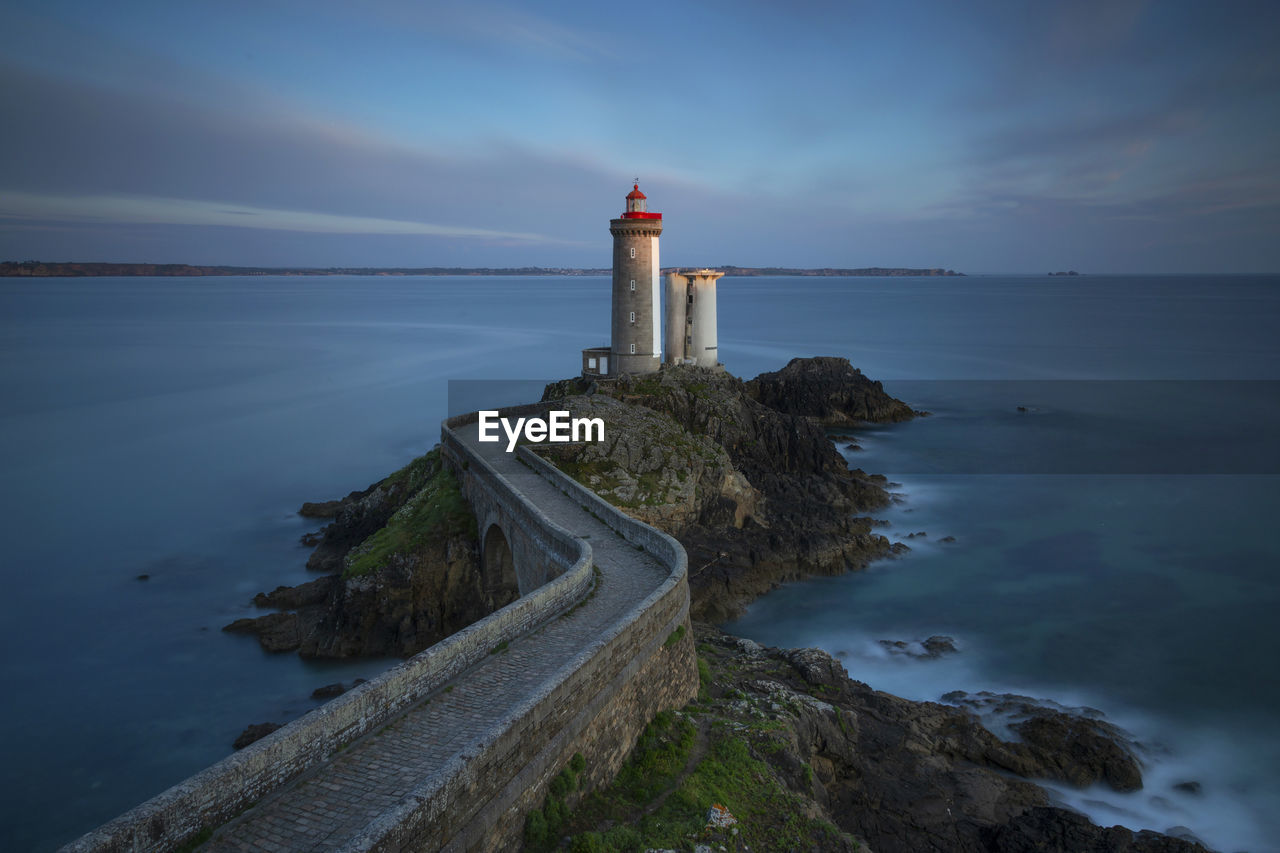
(635, 345)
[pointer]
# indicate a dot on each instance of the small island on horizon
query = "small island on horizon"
(76, 269)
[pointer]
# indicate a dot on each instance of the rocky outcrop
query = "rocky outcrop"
(406, 573)
(657, 470)
(829, 390)
(934, 647)
(1072, 745)
(411, 600)
(908, 776)
(254, 732)
(787, 743)
(757, 496)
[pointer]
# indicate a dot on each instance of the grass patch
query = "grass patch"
(542, 827)
(436, 512)
(674, 637)
(500, 648)
(623, 817)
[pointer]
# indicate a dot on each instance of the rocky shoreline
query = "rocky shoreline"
(403, 572)
(747, 478)
(767, 498)
(803, 757)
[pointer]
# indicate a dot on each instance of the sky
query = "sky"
(1111, 136)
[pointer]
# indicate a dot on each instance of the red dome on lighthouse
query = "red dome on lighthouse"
(636, 205)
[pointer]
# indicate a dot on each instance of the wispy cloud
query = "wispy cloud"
(118, 209)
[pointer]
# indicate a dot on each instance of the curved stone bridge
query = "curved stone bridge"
(449, 750)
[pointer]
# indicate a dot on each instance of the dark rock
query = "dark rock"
(1072, 745)
(947, 539)
(1022, 408)
(1192, 788)
(276, 632)
(310, 540)
(293, 597)
(254, 732)
(816, 666)
(143, 577)
(902, 776)
(934, 647)
(1045, 828)
(853, 445)
(359, 515)
(938, 645)
(775, 500)
(828, 390)
(1080, 751)
(1184, 833)
(328, 691)
(321, 509)
(410, 598)
(916, 534)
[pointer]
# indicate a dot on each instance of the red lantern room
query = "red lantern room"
(636, 204)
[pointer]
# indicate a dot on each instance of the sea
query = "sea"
(1100, 459)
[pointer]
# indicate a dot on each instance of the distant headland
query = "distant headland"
(71, 269)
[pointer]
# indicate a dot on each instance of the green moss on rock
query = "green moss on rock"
(436, 512)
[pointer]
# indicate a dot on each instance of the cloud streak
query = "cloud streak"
(173, 211)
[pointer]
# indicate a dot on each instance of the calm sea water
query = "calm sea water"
(171, 427)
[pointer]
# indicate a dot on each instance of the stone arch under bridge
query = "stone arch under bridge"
(497, 565)
(514, 549)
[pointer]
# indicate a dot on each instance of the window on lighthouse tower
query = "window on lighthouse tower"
(633, 251)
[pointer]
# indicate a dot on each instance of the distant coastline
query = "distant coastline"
(70, 269)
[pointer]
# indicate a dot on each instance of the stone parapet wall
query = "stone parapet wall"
(218, 793)
(596, 702)
(540, 547)
(661, 545)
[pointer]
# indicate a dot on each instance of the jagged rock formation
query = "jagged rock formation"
(756, 495)
(1073, 745)
(828, 390)
(895, 775)
(407, 573)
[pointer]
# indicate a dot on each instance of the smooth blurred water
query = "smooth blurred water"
(172, 427)
(1128, 561)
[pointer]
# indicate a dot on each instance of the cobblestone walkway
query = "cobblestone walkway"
(331, 803)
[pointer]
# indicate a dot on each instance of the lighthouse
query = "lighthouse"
(635, 325)
(635, 340)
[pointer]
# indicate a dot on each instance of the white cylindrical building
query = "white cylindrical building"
(676, 323)
(690, 318)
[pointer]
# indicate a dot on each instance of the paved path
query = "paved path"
(331, 803)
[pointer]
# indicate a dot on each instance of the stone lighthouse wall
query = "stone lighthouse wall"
(635, 325)
(704, 344)
(675, 326)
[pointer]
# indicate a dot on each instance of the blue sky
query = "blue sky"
(987, 137)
